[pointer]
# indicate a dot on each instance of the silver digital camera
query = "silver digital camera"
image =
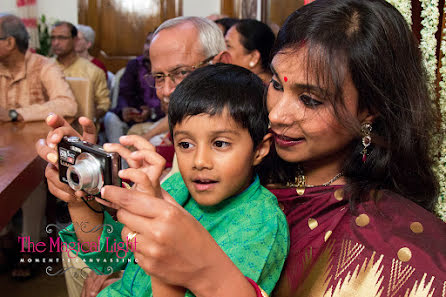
(87, 167)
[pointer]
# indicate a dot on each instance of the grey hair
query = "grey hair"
(14, 27)
(209, 35)
(88, 33)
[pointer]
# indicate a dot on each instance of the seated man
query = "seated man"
(85, 40)
(63, 38)
(173, 61)
(137, 101)
(31, 86)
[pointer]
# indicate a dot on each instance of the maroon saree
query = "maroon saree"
(389, 248)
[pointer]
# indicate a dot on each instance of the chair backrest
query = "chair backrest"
(83, 93)
(115, 90)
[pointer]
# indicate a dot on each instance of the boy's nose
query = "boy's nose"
(202, 159)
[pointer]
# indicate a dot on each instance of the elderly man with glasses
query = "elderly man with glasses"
(178, 47)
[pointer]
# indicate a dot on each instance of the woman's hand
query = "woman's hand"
(172, 245)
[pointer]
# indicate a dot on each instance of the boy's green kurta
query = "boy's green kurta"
(250, 228)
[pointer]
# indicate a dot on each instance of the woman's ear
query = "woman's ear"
(366, 116)
(262, 149)
(254, 58)
(223, 57)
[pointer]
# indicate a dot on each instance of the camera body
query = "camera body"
(86, 166)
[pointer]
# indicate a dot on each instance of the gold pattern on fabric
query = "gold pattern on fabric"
(416, 227)
(444, 290)
(421, 290)
(317, 274)
(349, 253)
(327, 235)
(362, 220)
(339, 194)
(365, 281)
(312, 223)
(404, 254)
(398, 277)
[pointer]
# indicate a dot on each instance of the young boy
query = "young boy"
(219, 126)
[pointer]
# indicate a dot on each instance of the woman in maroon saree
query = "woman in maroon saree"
(350, 113)
(352, 118)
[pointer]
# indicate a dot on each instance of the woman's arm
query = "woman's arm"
(174, 247)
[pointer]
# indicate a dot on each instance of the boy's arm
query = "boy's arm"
(161, 289)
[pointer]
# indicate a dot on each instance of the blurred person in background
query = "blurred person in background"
(250, 42)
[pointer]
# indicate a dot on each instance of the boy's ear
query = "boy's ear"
(262, 149)
(223, 57)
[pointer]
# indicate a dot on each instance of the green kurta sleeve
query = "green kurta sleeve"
(112, 253)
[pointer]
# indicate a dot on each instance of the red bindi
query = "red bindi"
(285, 78)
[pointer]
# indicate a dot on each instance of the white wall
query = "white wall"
(65, 10)
(201, 7)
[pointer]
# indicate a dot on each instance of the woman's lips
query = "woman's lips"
(284, 141)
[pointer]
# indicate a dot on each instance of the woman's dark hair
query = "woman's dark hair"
(371, 42)
(256, 35)
(227, 23)
(211, 89)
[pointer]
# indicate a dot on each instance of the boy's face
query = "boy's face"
(215, 156)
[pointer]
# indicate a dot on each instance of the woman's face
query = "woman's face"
(239, 54)
(306, 129)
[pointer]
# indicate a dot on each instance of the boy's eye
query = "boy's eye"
(276, 85)
(221, 144)
(184, 145)
(308, 101)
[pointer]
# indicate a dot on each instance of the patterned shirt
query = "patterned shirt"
(249, 227)
(38, 89)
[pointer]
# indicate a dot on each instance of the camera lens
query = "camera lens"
(85, 174)
(74, 177)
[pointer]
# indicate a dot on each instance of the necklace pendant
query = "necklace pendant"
(300, 191)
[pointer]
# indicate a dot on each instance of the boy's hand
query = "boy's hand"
(46, 148)
(145, 160)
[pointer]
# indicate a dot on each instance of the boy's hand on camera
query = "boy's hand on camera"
(145, 160)
(47, 151)
(47, 148)
(60, 189)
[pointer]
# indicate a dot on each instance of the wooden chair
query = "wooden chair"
(83, 93)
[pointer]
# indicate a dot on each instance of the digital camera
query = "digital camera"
(87, 167)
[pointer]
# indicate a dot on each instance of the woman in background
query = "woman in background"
(250, 42)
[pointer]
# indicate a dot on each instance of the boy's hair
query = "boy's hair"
(211, 89)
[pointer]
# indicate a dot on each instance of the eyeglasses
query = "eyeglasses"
(60, 37)
(175, 76)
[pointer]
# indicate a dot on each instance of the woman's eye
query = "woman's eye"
(276, 85)
(221, 144)
(308, 101)
(184, 145)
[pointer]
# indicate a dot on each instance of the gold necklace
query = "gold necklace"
(300, 183)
